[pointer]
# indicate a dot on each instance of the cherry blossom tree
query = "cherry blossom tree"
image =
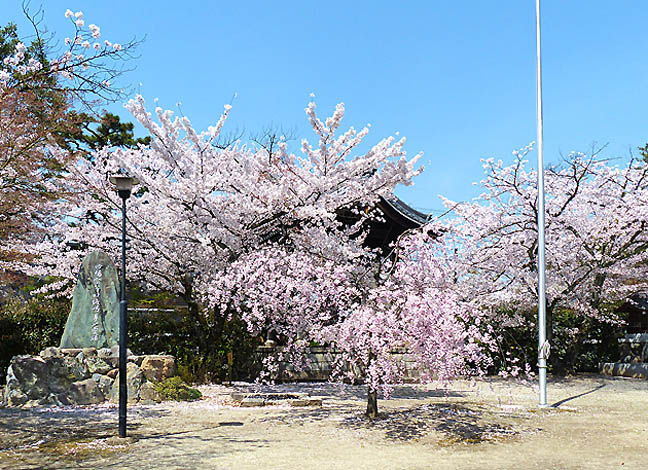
(38, 87)
(596, 221)
(84, 67)
(242, 230)
(367, 310)
(203, 207)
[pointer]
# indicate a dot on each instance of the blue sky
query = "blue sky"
(457, 78)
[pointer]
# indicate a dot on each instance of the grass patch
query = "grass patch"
(175, 388)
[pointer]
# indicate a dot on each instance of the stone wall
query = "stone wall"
(319, 362)
(82, 377)
(634, 357)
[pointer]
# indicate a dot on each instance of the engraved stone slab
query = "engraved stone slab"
(94, 317)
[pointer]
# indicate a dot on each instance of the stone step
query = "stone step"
(274, 399)
(636, 369)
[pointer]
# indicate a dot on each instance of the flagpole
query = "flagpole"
(543, 345)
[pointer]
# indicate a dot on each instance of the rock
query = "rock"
(134, 380)
(81, 379)
(94, 317)
(85, 392)
(89, 352)
(14, 397)
(114, 351)
(60, 399)
(70, 351)
(158, 368)
(104, 353)
(78, 369)
(97, 365)
(148, 393)
(35, 381)
(63, 371)
(27, 379)
(104, 382)
(136, 359)
(50, 352)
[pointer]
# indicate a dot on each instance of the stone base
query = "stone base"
(272, 399)
(86, 376)
(636, 369)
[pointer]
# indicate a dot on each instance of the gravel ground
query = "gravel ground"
(595, 423)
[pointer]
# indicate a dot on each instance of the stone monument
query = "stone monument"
(94, 318)
(84, 370)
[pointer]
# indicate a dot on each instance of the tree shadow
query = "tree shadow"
(347, 391)
(80, 438)
(31, 428)
(458, 423)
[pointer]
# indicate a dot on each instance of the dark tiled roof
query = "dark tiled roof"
(399, 206)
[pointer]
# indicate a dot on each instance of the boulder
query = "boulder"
(103, 353)
(33, 380)
(70, 351)
(104, 382)
(97, 365)
(136, 359)
(85, 392)
(80, 379)
(27, 379)
(94, 317)
(134, 380)
(114, 351)
(147, 393)
(50, 352)
(89, 352)
(68, 367)
(158, 368)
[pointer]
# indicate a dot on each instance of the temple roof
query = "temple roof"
(399, 217)
(393, 203)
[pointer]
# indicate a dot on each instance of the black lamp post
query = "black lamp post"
(124, 185)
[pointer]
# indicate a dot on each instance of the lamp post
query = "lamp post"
(543, 344)
(124, 185)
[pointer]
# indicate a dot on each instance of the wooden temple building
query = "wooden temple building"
(397, 217)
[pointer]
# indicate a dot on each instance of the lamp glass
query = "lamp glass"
(124, 183)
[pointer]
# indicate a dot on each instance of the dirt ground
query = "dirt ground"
(594, 422)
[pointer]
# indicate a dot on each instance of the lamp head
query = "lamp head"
(124, 185)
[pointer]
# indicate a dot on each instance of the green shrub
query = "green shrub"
(578, 343)
(176, 389)
(167, 328)
(29, 326)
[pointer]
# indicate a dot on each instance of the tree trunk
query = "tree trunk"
(208, 330)
(372, 404)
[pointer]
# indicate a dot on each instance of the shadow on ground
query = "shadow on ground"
(25, 428)
(457, 423)
(349, 392)
(84, 438)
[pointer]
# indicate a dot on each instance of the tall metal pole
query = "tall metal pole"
(543, 345)
(123, 325)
